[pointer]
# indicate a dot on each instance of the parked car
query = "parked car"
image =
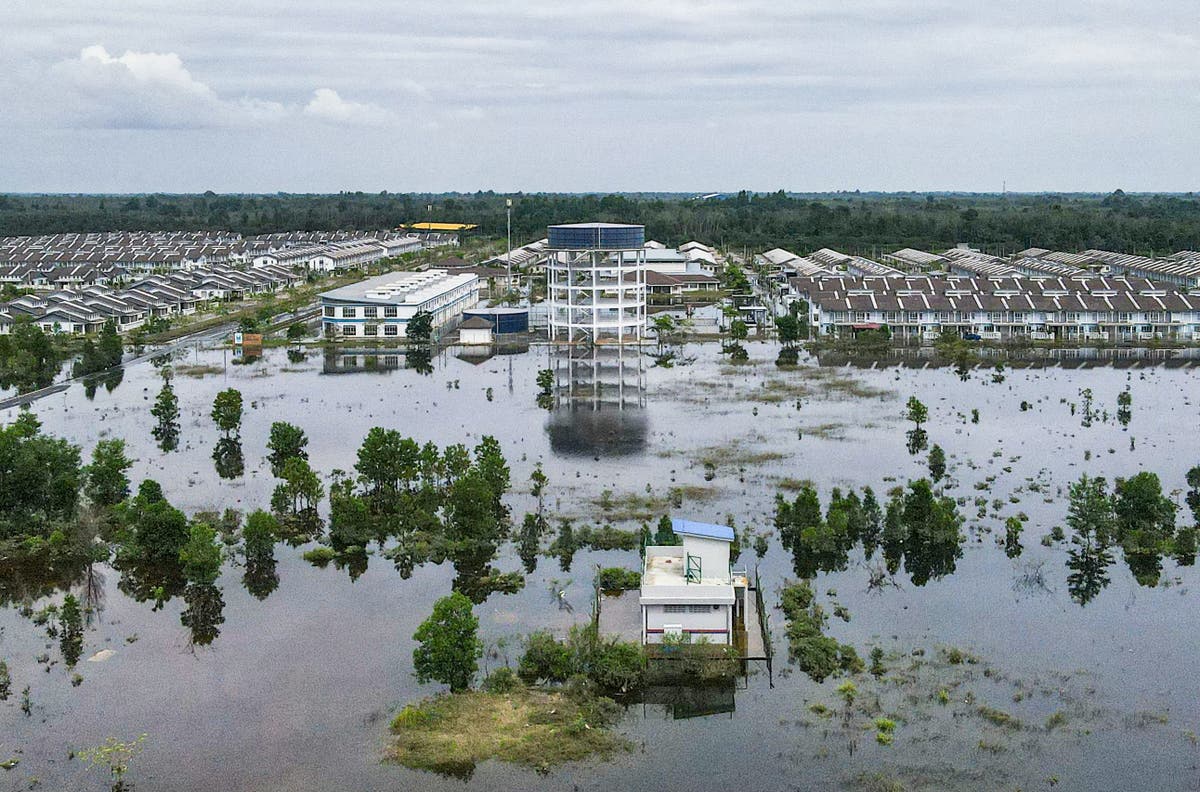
(971, 336)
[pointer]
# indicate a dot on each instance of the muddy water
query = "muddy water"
(295, 691)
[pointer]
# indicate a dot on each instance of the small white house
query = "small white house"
(690, 592)
(475, 331)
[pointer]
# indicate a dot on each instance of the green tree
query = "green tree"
(227, 410)
(665, 536)
(286, 441)
(788, 327)
(107, 485)
(259, 535)
(70, 634)
(111, 349)
(158, 530)
(28, 357)
(448, 648)
(299, 492)
(166, 411)
(201, 554)
(738, 330)
(296, 332)
(420, 327)
(916, 412)
(1090, 512)
(39, 481)
(937, 463)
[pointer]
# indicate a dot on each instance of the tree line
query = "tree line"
(863, 223)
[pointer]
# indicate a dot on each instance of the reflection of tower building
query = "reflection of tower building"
(596, 282)
(599, 396)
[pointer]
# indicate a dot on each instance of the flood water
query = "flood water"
(296, 690)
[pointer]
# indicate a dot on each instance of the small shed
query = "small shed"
(505, 320)
(475, 331)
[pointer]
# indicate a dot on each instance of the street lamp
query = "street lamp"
(508, 258)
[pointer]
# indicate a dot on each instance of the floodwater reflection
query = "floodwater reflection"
(599, 400)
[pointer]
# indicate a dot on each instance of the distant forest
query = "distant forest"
(866, 223)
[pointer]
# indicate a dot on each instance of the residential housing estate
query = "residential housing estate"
(1035, 294)
(78, 282)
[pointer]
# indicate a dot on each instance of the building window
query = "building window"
(675, 608)
(391, 330)
(349, 313)
(370, 312)
(370, 330)
(349, 330)
(701, 608)
(390, 311)
(330, 311)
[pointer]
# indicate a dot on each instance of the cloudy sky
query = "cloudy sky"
(573, 95)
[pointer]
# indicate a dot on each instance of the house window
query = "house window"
(701, 608)
(370, 330)
(349, 330)
(675, 608)
(349, 313)
(391, 330)
(390, 311)
(330, 311)
(370, 312)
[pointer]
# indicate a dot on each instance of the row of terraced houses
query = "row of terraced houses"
(1036, 295)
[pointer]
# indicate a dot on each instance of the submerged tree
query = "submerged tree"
(937, 463)
(1145, 521)
(107, 485)
(448, 644)
(227, 411)
(286, 441)
(420, 327)
(166, 411)
(228, 459)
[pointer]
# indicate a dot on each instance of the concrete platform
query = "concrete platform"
(621, 616)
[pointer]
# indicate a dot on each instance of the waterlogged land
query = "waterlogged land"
(998, 667)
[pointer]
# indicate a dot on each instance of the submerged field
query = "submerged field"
(999, 670)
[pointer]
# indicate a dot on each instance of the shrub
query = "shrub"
(502, 680)
(546, 659)
(319, 556)
(619, 579)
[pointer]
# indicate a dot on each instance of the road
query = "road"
(199, 337)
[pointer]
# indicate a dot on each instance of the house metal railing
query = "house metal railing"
(692, 573)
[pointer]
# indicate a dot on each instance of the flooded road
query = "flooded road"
(296, 689)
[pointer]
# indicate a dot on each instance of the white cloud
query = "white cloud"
(152, 90)
(328, 105)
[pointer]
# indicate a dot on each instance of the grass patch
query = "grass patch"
(453, 732)
(999, 718)
(199, 370)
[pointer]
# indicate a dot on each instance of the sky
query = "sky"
(582, 95)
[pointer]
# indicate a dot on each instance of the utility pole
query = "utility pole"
(508, 258)
(428, 233)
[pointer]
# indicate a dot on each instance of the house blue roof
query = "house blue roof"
(703, 530)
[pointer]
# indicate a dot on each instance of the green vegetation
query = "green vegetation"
(450, 734)
(285, 442)
(227, 411)
(99, 356)
(114, 757)
(618, 579)
(29, 358)
(449, 648)
(420, 328)
(106, 483)
(817, 654)
(166, 412)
